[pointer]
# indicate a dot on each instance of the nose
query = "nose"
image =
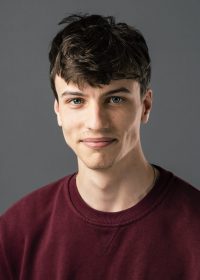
(97, 117)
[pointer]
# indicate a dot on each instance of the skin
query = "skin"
(117, 176)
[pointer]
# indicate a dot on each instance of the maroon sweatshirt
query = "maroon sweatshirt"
(52, 234)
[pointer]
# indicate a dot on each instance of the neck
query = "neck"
(116, 188)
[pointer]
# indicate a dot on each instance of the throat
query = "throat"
(116, 193)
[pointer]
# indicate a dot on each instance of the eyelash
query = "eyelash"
(73, 99)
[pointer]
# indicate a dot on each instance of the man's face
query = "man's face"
(102, 125)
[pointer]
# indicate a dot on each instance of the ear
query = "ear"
(147, 100)
(57, 111)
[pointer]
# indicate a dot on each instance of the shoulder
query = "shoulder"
(181, 195)
(185, 190)
(27, 222)
(187, 197)
(36, 204)
(174, 181)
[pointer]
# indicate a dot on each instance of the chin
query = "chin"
(99, 168)
(98, 165)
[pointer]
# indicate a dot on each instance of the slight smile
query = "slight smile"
(98, 142)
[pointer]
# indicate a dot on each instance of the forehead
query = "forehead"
(126, 84)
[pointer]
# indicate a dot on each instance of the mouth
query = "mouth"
(98, 142)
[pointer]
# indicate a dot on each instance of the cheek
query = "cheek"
(131, 126)
(68, 119)
(70, 127)
(128, 120)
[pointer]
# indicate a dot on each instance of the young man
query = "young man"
(118, 217)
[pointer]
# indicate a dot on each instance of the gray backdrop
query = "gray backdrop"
(32, 151)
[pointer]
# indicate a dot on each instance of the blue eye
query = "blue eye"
(116, 99)
(76, 99)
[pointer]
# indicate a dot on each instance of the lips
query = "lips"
(96, 140)
(96, 143)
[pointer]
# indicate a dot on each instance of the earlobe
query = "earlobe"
(147, 105)
(145, 117)
(57, 111)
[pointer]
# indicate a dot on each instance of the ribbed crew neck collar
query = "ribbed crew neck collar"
(112, 219)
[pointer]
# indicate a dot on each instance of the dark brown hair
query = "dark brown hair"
(95, 49)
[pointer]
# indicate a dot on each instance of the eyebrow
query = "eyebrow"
(77, 93)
